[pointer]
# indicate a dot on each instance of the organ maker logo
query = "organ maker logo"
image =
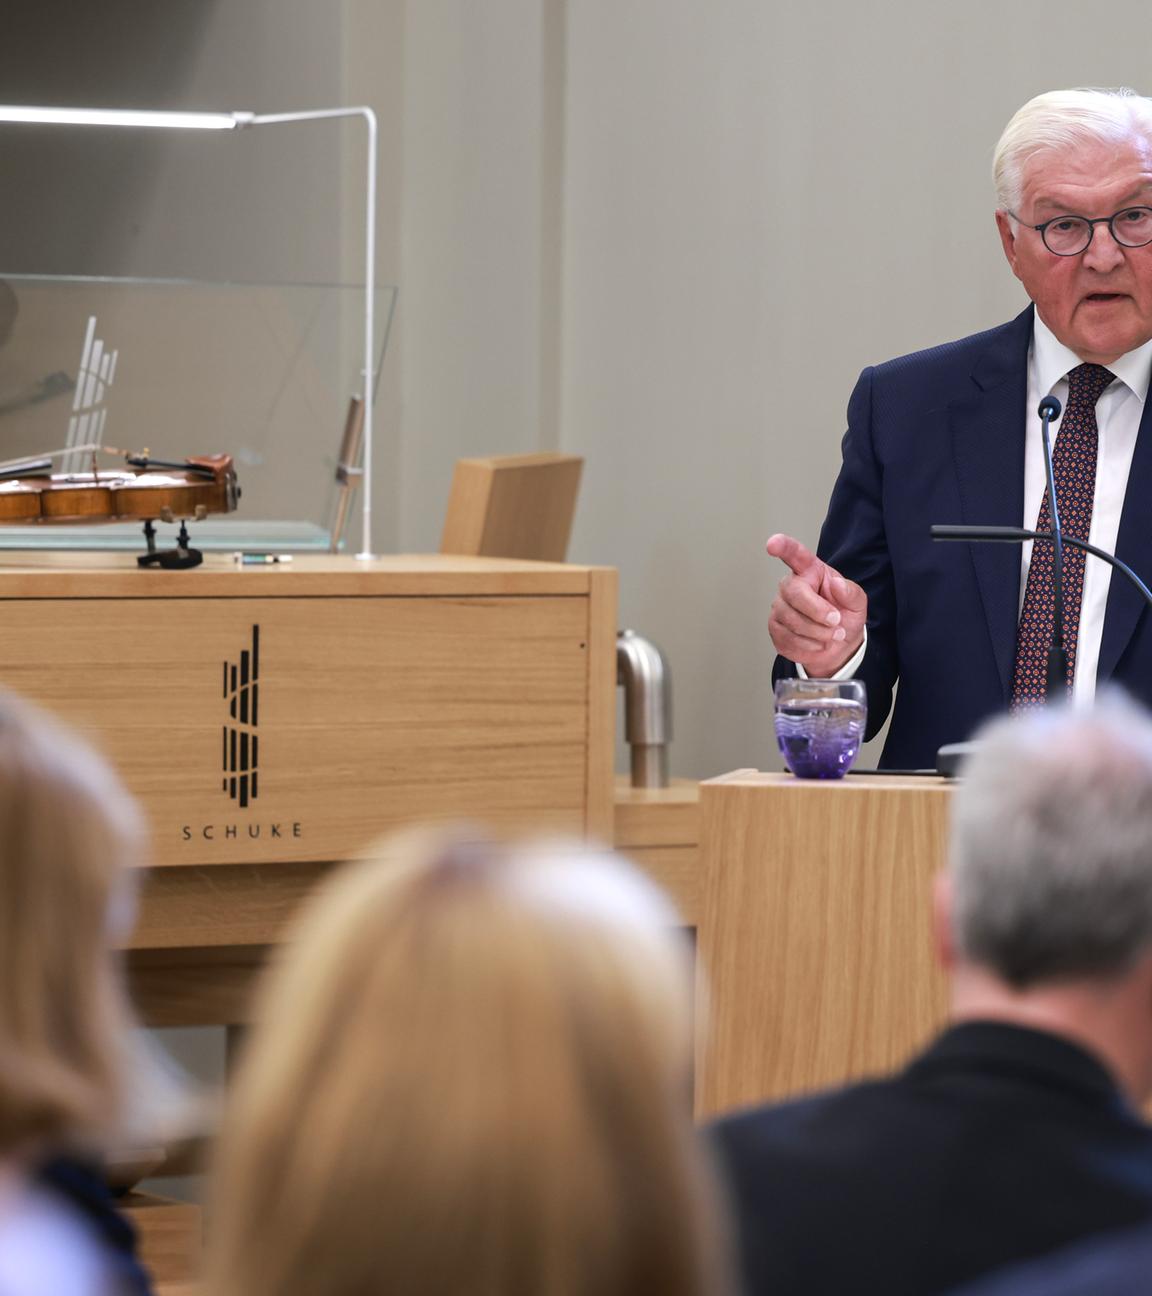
(241, 742)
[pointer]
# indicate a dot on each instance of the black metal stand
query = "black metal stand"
(171, 559)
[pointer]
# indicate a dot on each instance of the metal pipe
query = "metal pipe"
(644, 675)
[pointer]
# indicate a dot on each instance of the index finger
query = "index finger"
(789, 550)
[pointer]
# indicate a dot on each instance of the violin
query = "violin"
(149, 491)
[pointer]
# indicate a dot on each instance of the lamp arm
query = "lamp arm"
(271, 119)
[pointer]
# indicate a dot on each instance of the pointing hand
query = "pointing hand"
(817, 617)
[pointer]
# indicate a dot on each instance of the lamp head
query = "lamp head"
(33, 116)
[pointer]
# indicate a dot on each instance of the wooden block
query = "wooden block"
(221, 905)
(272, 721)
(169, 1236)
(195, 987)
(512, 506)
(601, 704)
(677, 870)
(658, 828)
(657, 816)
(816, 930)
(300, 722)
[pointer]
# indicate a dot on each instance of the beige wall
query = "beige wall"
(474, 244)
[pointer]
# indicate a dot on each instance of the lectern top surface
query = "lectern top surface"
(863, 780)
(39, 574)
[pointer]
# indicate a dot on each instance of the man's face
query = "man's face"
(1098, 303)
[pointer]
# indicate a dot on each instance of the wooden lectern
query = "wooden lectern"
(815, 937)
(275, 720)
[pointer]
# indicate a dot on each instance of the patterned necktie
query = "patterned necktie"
(1074, 468)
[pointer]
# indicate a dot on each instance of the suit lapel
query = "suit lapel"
(987, 426)
(1134, 546)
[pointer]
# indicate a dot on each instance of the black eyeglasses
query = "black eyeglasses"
(1070, 235)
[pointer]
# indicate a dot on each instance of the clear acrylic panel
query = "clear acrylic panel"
(263, 372)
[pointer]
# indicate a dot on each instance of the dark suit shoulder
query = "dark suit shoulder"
(899, 394)
(1114, 1264)
(963, 351)
(994, 1146)
(837, 1131)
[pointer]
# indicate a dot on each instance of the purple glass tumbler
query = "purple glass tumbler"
(820, 725)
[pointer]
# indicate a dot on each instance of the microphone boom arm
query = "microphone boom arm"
(1017, 535)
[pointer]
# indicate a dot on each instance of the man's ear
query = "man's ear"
(943, 939)
(1007, 239)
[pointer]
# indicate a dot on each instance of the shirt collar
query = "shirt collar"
(1053, 361)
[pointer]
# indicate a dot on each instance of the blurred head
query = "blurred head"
(1085, 153)
(1051, 860)
(68, 834)
(471, 1074)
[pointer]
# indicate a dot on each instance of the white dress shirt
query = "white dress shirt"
(1118, 414)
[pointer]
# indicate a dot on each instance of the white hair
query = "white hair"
(1052, 844)
(1063, 119)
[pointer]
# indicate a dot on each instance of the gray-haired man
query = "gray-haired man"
(1018, 1130)
(951, 434)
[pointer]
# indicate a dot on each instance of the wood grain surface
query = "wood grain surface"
(374, 711)
(169, 1236)
(659, 829)
(513, 506)
(406, 689)
(816, 933)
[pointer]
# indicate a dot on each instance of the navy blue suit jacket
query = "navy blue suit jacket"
(938, 436)
(995, 1146)
(1114, 1265)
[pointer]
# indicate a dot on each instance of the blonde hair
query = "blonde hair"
(472, 1075)
(68, 832)
(1062, 119)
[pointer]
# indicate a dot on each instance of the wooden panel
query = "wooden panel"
(659, 829)
(512, 506)
(220, 905)
(195, 987)
(657, 816)
(816, 933)
(677, 870)
(169, 1237)
(371, 713)
(380, 693)
(601, 704)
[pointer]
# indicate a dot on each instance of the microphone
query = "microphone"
(1049, 408)
(1056, 675)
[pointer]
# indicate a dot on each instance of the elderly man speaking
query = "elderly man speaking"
(1018, 1130)
(952, 435)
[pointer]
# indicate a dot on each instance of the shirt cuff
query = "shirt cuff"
(850, 667)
